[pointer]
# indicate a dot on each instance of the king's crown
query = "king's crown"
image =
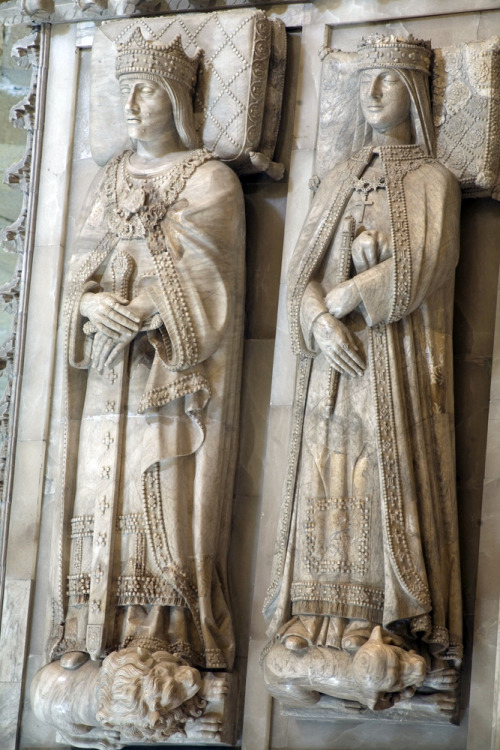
(140, 57)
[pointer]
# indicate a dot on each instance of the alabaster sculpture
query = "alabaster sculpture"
(365, 601)
(153, 336)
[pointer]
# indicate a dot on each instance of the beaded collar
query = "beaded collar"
(137, 203)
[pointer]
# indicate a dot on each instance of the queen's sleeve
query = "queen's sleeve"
(398, 286)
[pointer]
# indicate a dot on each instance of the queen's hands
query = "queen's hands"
(369, 248)
(338, 345)
(343, 299)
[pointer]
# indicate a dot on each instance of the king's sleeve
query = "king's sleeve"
(92, 246)
(199, 267)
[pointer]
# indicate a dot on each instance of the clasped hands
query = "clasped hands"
(332, 336)
(117, 322)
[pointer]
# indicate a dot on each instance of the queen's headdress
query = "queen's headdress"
(394, 52)
(140, 57)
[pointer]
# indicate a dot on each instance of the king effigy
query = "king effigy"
(153, 336)
(365, 601)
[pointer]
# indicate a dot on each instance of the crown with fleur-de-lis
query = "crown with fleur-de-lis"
(392, 51)
(143, 58)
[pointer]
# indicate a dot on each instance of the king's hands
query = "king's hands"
(117, 323)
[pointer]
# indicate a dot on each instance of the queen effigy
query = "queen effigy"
(365, 601)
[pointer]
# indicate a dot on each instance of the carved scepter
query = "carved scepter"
(347, 238)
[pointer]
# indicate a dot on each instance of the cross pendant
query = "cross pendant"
(364, 187)
(363, 204)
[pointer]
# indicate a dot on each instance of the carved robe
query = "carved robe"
(368, 527)
(155, 445)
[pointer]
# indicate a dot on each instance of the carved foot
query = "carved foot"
(443, 705)
(445, 679)
(207, 727)
(216, 723)
(295, 643)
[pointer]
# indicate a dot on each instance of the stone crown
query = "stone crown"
(394, 52)
(138, 56)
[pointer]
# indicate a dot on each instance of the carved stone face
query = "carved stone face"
(147, 108)
(384, 98)
(384, 673)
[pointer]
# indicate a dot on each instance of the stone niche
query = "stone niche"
(275, 212)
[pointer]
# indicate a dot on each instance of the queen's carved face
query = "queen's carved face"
(147, 108)
(384, 98)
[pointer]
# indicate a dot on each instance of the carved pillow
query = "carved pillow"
(238, 97)
(466, 111)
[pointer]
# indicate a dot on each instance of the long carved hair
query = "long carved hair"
(147, 696)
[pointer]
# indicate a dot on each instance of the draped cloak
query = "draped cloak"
(178, 420)
(368, 526)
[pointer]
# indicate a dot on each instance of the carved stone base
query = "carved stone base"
(440, 708)
(377, 680)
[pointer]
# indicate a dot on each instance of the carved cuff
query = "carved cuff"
(376, 289)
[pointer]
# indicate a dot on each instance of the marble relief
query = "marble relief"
(142, 643)
(364, 608)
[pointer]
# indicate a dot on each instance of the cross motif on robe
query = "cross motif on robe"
(112, 375)
(108, 440)
(103, 505)
(364, 187)
(98, 573)
(110, 405)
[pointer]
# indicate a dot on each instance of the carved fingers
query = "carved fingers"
(110, 315)
(369, 248)
(105, 350)
(343, 299)
(338, 345)
(442, 679)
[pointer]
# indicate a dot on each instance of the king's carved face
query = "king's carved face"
(147, 108)
(384, 99)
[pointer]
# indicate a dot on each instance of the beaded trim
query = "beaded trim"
(137, 203)
(178, 322)
(329, 549)
(79, 588)
(313, 597)
(158, 541)
(314, 253)
(89, 264)
(397, 162)
(183, 386)
(390, 479)
(285, 523)
(146, 589)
